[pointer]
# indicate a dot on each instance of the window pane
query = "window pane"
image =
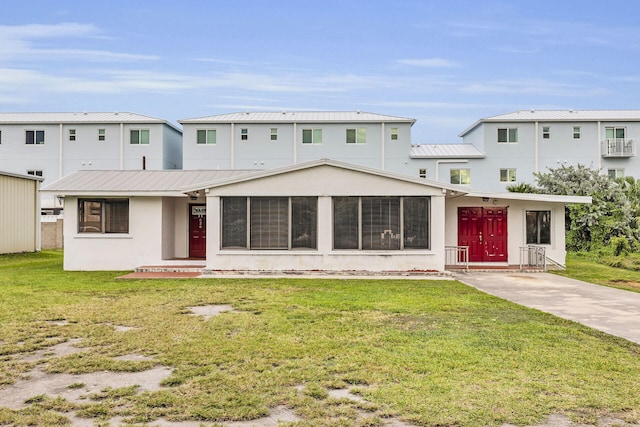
(135, 137)
(317, 136)
(30, 137)
(144, 137)
(513, 135)
(304, 211)
(351, 136)
(234, 222)
(116, 216)
(502, 135)
(269, 222)
(532, 227)
(416, 222)
(211, 136)
(381, 223)
(201, 137)
(538, 227)
(454, 176)
(361, 136)
(544, 221)
(620, 133)
(345, 223)
(307, 136)
(89, 216)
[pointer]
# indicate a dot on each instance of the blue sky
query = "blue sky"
(444, 63)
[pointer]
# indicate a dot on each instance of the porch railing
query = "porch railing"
(457, 257)
(533, 257)
(618, 147)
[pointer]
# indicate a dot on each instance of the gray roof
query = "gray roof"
(17, 175)
(79, 117)
(128, 182)
(299, 117)
(560, 116)
(445, 151)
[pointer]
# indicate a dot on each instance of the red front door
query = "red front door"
(197, 231)
(484, 230)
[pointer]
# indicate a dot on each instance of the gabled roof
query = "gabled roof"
(134, 182)
(559, 116)
(299, 117)
(17, 175)
(79, 117)
(445, 151)
(325, 162)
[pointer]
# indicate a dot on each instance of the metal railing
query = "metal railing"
(618, 147)
(533, 257)
(457, 257)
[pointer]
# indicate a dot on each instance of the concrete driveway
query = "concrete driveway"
(610, 310)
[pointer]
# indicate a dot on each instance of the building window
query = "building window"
(34, 172)
(374, 223)
(103, 216)
(102, 134)
(576, 132)
(34, 137)
(72, 134)
(394, 134)
(312, 136)
(357, 136)
(206, 136)
(140, 136)
(460, 176)
(538, 227)
(244, 134)
(546, 132)
(269, 222)
(274, 134)
(615, 173)
(507, 175)
(422, 173)
(615, 134)
(507, 135)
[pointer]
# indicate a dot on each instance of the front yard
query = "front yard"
(327, 352)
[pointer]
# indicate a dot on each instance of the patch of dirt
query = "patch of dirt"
(208, 311)
(122, 328)
(625, 282)
(58, 350)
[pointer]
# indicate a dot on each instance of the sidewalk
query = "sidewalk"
(614, 311)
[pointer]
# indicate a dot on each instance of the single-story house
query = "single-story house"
(19, 213)
(322, 215)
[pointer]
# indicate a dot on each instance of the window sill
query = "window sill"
(103, 236)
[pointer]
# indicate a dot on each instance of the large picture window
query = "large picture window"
(103, 216)
(269, 222)
(381, 223)
(538, 227)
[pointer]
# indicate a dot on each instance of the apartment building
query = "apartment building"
(52, 145)
(509, 148)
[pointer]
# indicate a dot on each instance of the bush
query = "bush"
(619, 245)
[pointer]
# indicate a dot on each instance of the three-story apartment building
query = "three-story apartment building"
(52, 145)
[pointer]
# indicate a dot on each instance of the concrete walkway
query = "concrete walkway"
(610, 310)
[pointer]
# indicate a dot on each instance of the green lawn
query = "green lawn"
(427, 352)
(595, 269)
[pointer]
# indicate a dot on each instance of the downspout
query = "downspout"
(233, 143)
(599, 146)
(295, 144)
(446, 161)
(121, 146)
(61, 154)
(382, 140)
(536, 149)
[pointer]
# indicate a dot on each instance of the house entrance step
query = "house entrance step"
(170, 268)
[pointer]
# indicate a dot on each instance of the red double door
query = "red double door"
(484, 230)
(197, 231)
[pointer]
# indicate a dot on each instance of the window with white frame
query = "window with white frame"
(206, 136)
(460, 176)
(508, 175)
(394, 134)
(72, 134)
(282, 223)
(102, 135)
(312, 136)
(538, 224)
(615, 173)
(381, 223)
(274, 134)
(546, 132)
(140, 136)
(34, 137)
(357, 136)
(103, 216)
(576, 132)
(507, 135)
(244, 134)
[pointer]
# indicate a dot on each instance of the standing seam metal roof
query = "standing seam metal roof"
(445, 151)
(298, 117)
(80, 117)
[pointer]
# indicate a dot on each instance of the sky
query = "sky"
(446, 64)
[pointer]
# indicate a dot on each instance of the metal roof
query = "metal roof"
(148, 182)
(445, 151)
(17, 175)
(299, 117)
(535, 197)
(560, 116)
(79, 117)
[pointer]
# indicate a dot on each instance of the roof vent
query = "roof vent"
(533, 111)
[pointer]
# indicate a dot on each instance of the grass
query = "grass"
(622, 272)
(427, 352)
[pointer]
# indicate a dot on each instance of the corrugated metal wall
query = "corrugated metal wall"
(18, 214)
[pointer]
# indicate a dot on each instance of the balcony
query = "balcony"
(618, 147)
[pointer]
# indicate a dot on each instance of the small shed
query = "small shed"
(19, 213)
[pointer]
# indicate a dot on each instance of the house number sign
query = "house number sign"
(198, 210)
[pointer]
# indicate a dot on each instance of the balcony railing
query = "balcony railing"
(457, 257)
(618, 147)
(533, 257)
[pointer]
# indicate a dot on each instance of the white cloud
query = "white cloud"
(428, 63)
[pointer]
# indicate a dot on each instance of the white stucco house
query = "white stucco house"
(319, 215)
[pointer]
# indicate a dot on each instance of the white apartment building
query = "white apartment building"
(52, 145)
(509, 148)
